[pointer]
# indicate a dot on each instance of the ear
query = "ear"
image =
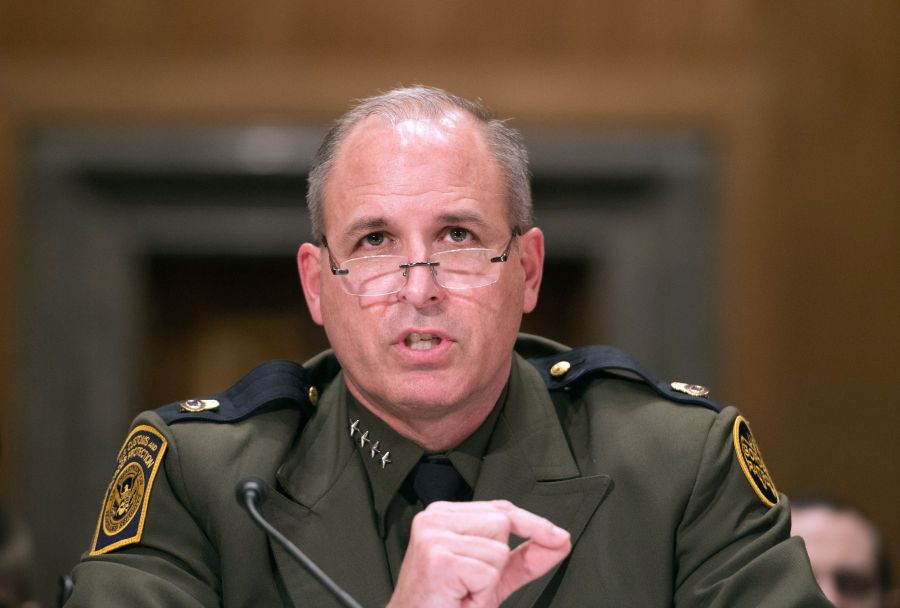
(309, 264)
(531, 255)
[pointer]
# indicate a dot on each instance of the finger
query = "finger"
(487, 550)
(528, 525)
(441, 578)
(483, 521)
(477, 506)
(494, 519)
(475, 583)
(527, 562)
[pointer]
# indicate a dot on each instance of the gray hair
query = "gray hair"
(507, 146)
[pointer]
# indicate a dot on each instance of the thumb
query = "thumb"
(532, 560)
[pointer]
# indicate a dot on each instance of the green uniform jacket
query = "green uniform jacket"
(658, 506)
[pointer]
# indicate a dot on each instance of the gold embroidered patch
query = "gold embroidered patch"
(752, 463)
(121, 519)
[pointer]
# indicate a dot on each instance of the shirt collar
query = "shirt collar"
(388, 457)
(466, 457)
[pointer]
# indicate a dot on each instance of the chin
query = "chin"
(428, 393)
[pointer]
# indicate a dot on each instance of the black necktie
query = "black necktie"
(435, 478)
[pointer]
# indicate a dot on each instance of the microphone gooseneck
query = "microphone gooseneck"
(250, 493)
(252, 487)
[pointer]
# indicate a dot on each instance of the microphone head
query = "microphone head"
(254, 487)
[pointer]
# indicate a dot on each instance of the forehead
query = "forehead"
(436, 166)
(835, 538)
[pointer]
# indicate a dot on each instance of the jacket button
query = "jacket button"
(560, 369)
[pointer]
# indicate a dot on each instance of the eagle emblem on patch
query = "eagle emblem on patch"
(752, 463)
(125, 504)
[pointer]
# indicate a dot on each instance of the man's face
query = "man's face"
(842, 553)
(412, 189)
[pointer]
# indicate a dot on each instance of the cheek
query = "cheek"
(499, 315)
(338, 316)
(349, 326)
(510, 297)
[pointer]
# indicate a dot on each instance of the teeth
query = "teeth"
(422, 341)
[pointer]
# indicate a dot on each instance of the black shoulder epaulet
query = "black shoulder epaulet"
(270, 383)
(562, 370)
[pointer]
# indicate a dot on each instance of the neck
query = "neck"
(435, 431)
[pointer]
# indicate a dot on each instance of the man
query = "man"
(847, 553)
(566, 479)
(16, 561)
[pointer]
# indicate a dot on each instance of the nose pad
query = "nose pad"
(421, 287)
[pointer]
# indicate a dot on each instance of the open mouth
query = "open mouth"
(422, 341)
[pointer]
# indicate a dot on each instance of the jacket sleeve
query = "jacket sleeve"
(171, 562)
(731, 548)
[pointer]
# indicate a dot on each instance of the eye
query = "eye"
(375, 239)
(458, 235)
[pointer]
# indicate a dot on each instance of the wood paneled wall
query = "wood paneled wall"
(803, 100)
(9, 219)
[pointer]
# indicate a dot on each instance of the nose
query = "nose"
(421, 288)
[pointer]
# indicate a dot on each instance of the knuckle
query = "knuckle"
(499, 522)
(484, 578)
(441, 559)
(492, 576)
(437, 562)
(426, 519)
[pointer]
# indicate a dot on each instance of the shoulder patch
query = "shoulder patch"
(267, 384)
(563, 370)
(752, 463)
(121, 520)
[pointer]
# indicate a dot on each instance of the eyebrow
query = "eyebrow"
(471, 218)
(364, 224)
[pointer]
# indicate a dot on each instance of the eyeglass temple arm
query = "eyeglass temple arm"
(334, 267)
(505, 255)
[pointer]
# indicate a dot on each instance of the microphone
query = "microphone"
(250, 493)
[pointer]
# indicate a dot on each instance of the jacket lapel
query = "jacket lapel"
(322, 503)
(323, 506)
(529, 463)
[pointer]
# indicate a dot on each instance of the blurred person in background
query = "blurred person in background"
(16, 558)
(847, 552)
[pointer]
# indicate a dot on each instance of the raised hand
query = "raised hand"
(458, 554)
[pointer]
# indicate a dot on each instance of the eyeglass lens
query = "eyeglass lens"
(454, 269)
